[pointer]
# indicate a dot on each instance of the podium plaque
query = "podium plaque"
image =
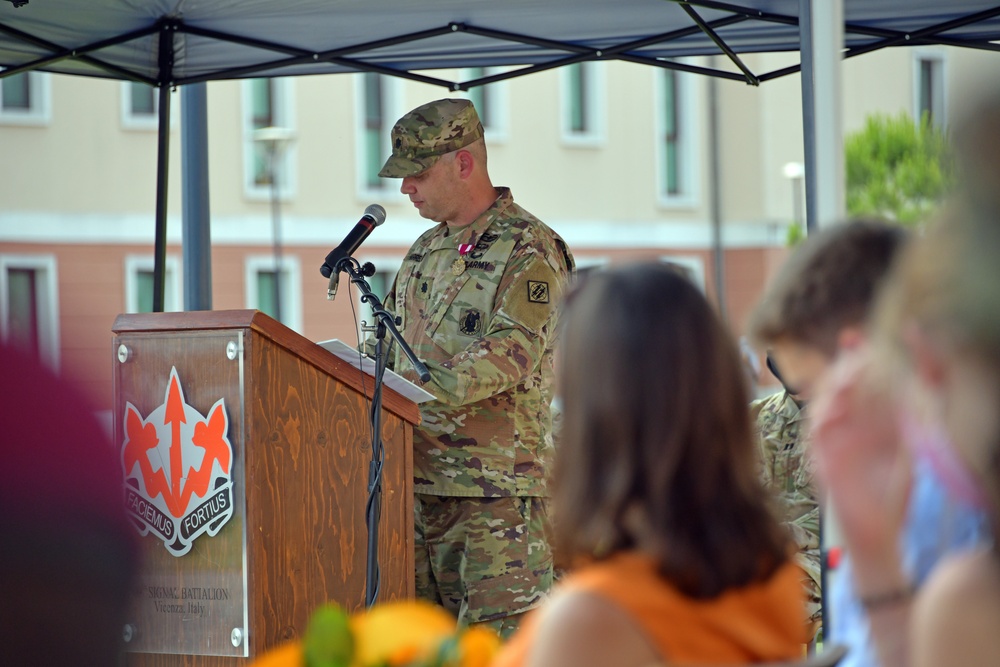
(181, 430)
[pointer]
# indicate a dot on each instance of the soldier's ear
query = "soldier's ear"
(466, 163)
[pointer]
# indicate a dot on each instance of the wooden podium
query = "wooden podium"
(246, 451)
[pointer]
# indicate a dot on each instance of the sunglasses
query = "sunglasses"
(773, 367)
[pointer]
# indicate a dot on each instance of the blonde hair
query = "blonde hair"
(948, 286)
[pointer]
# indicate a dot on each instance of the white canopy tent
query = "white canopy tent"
(177, 42)
(169, 43)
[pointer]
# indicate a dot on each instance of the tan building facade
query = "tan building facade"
(613, 156)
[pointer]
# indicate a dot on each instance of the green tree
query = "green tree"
(896, 168)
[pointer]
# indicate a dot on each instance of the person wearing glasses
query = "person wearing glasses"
(816, 306)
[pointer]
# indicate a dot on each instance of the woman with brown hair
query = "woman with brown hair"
(676, 556)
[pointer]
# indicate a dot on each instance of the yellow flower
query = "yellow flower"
(400, 633)
(477, 646)
(394, 634)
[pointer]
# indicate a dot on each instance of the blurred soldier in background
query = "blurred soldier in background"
(816, 307)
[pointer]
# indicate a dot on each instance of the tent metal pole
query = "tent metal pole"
(808, 110)
(162, 163)
(822, 44)
(828, 48)
(715, 195)
(822, 41)
(166, 66)
(196, 220)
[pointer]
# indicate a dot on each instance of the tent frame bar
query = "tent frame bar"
(81, 53)
(577, 52)
(721, 43)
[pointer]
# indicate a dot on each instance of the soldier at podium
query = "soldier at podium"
(478, 296)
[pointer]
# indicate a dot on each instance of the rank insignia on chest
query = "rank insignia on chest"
(470, 322)
(423, 287)
(458, 267)
(538, 291)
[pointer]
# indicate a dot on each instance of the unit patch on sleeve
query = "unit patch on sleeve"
(538, 291)
(470, 322)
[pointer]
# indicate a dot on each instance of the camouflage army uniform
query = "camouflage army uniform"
(787, 470)
(478, 307)
(484, 323)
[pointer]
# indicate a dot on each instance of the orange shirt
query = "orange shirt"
(760, 622)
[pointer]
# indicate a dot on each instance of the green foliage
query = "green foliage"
(328, 640)
(795, 235)
(897, 169)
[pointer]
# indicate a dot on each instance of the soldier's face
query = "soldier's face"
(801, 366)
(434, 191)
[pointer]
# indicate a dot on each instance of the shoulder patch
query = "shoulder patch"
(538, 291)
(470, 322)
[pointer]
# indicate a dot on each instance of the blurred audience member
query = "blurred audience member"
(815, 308)
(676, 555)
(927, 390)
(67, 553)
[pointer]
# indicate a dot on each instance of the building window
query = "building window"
(490, 102)
(267, 103)
(22, 292)
(262, 99)
(385, 273)
(140, 105)
(24, 99)
(671, 137)
(29, 305)
(579, 113)
(139, 284)
(143, 99)
(17, 92)
(583, 104)
(375, 132)
(676, 157)
(275, 292)
(377, 109)
(930, 94)
(692, 268)
(480, 96)
(267, 292)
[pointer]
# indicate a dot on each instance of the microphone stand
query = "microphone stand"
(384, 322)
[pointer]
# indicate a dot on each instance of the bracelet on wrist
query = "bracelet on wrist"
(888, 598)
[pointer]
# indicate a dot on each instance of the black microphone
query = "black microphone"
(373, 217)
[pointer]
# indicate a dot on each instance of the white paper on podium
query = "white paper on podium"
(366, 364)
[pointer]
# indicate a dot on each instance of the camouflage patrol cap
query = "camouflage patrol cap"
(422, 136)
